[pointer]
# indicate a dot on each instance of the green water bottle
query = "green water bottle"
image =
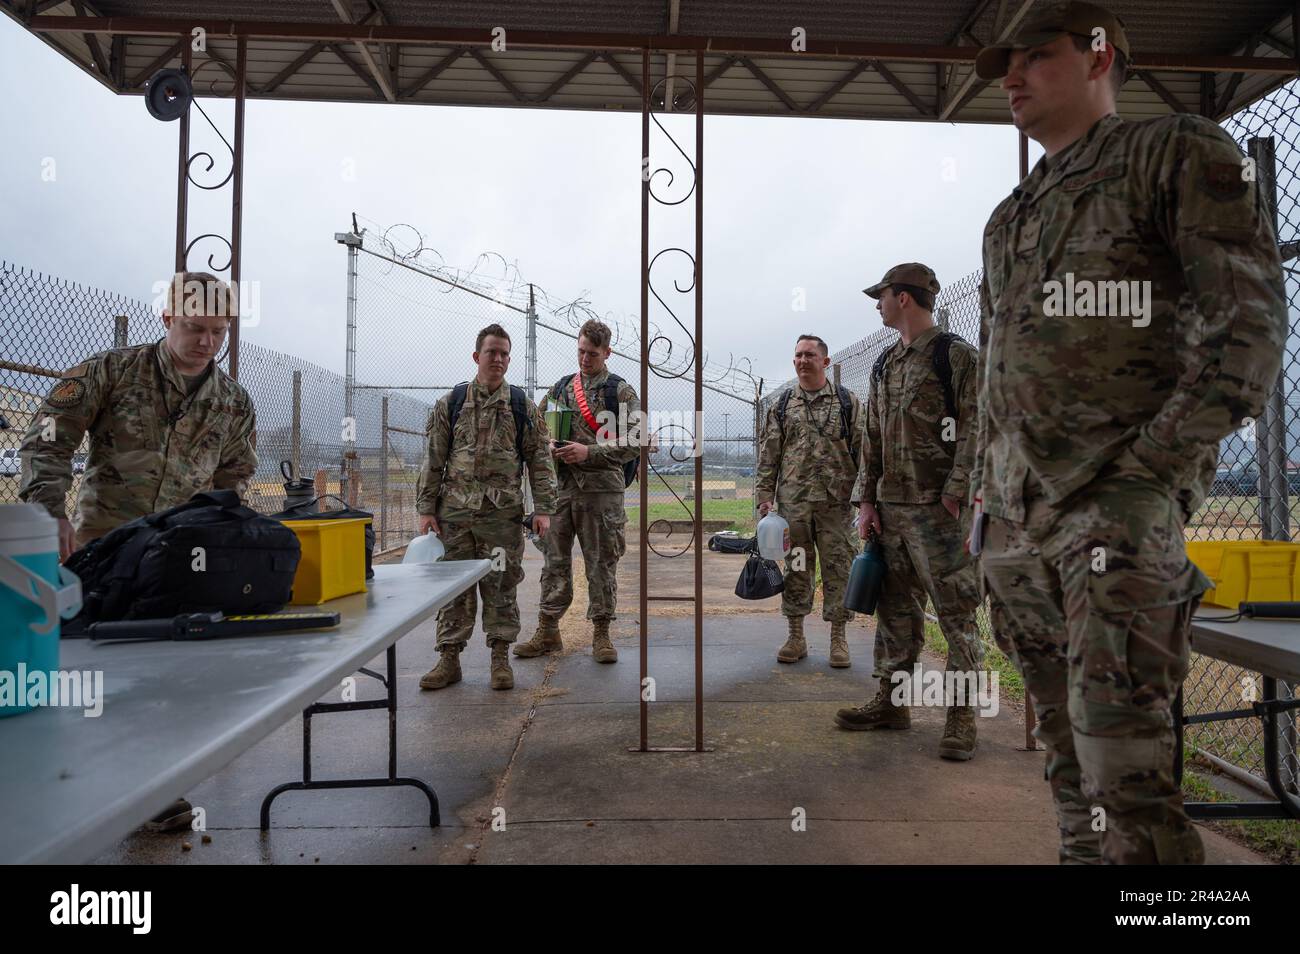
(865, 577)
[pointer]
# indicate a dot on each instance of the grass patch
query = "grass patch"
(739, 513)
(1277, 839)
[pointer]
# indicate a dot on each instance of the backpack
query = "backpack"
(518, 407)
(610, 391)
(720, 544)
(146, 569)
(846, 413)
(940, 361)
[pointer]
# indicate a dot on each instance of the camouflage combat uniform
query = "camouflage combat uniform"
(590, 505)
(477, 497)
(1098, 438)
(809, 469)
(153, 445)
(913, 454)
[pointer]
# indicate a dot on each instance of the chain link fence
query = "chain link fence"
(415, 323)
(48, 324)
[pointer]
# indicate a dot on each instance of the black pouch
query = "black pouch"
(306, 511)
(759, 578)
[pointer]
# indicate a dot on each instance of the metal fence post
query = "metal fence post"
(120, 326)
(295, 432)
(1271, 429)
(383, 474)
(347, 470)
(530, 378)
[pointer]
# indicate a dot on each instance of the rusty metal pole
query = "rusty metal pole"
(644, 617)
(237, 197)
(1031, 744)
(699, 402)
(182, 173)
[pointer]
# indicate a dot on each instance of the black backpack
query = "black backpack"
(940, 361)
(145, 569)
(846, 414)
(518, 408)
(610, 391)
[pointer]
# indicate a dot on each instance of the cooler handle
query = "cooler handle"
(63, 601)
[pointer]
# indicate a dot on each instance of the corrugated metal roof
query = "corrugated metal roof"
(754, 84)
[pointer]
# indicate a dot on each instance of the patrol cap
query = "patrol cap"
(909, 273)
(1047, 24)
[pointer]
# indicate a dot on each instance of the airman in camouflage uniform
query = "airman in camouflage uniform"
(807, 466)
(1101, 415)
(916, 461)
(471, 495)
(164, 422)
(590, 506)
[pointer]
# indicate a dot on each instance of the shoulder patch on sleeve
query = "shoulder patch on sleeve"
(1223, 181)
(67, 393)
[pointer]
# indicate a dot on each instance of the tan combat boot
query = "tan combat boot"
(958, 742)
(839, 647)
(503, 677)
(602, 650)
(879, 713)
(545, 640)
(795, 647)
(446, 672)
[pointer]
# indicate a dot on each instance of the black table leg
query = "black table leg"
(307, 784)
(1287, 806)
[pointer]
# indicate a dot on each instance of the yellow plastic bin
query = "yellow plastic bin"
(333, 559)
(1247, 570)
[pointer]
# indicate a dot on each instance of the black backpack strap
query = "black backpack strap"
(519, 408)
(941, 361)
(782, 403)
(227, 500)
(610, 388)
(878, 369)
(846, 419)
(454, 405)
(557, 391)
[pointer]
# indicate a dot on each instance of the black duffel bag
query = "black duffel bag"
(149, 568)
(731, 544)
(759, 578)
(306, 511)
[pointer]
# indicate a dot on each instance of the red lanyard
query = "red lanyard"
(581, 397)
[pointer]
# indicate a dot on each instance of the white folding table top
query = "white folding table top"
(174, 713)
(1266, 646)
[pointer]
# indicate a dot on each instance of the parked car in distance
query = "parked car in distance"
(10, 464)
(78, 463)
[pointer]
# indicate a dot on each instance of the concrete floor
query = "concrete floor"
(552, 754)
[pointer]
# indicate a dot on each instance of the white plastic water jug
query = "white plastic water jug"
(35, 592)
(773, 537)
(426, 548)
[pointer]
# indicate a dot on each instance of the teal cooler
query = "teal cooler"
(35, 592)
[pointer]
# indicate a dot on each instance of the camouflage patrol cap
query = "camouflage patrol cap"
(1047, 24)
(909, 273)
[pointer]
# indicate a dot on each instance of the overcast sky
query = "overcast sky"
(822, 205)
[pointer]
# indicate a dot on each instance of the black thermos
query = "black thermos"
(865, 577)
